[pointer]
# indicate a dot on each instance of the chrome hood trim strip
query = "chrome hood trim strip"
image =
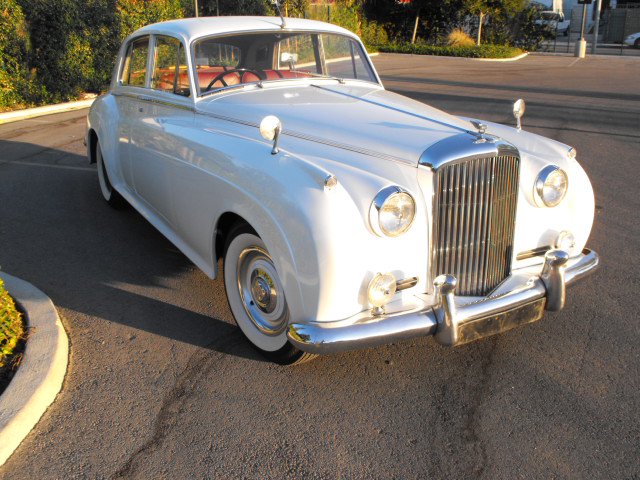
(310, 138)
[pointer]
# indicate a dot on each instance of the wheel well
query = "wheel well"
(225, 225)
(93, 141)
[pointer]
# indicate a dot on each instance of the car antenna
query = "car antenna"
(277, 4)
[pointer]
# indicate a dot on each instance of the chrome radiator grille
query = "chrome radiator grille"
(474, 219)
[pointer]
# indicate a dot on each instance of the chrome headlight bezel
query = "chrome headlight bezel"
(542, 181)
(378, 204)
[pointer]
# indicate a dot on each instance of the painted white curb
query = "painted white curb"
(44, 364)
(512, 59)
(46, 110)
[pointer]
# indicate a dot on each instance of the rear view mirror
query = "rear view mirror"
(287, 57)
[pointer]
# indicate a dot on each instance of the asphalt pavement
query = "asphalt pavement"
(161, 384)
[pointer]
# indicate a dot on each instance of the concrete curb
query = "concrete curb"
(46, 110)
(44, 364)
(513, 59)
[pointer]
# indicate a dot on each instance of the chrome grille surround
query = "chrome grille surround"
(475, 193)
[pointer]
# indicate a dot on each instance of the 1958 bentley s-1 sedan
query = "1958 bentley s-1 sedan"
(347, 216)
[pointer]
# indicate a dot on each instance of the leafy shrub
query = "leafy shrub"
(459, 38)
(16, 86)
(475, 51)
(11, 329)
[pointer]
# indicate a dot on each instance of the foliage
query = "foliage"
(474, 51)
(75, 42)
(16, 84)
(519, 30)
(236, 7)
(11, 328)
(348, 14)
(458, 38)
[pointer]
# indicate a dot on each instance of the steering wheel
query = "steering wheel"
(221, 76)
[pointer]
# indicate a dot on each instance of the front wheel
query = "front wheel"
(256, 297)
(110, 194)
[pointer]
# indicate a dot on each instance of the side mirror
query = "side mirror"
(270, 129)
(518, 111)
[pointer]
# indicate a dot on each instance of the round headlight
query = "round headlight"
(392, 212)
(551, 185)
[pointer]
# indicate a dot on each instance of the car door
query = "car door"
(131, 85)
(164, 114)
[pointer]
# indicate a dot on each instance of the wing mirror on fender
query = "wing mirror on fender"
(270, 128)
(518, 111)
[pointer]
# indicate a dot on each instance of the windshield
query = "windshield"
(248, 58)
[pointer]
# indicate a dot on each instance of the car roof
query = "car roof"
(191, 28)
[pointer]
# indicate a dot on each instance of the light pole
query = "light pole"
(581, 45)
(196, 7)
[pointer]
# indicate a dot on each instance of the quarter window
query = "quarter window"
(134, 72)
(170, 67)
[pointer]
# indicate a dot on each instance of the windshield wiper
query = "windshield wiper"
(318, 75)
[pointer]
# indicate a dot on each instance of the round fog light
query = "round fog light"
(381, 290)
(565, 241)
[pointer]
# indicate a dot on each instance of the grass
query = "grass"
(458, 38)
(11, 328)
(471, 51)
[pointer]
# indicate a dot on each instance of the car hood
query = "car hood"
(359, 118)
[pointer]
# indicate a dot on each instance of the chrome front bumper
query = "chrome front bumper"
(452, 321)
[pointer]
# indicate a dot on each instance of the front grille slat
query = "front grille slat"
(474, 211)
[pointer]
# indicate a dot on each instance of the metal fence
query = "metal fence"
(615, 25)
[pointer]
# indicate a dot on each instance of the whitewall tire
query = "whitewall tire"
(256, 296)
(111, 196)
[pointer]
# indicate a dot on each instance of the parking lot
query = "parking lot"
(161, 383)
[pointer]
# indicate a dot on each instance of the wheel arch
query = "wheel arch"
(92, 142)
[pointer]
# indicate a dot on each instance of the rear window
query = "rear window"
(134, 72)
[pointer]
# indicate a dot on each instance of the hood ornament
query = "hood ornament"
(482, 128)
(277, 4)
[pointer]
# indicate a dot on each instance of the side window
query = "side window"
(342, 58)
(170, 67)
(135, 65)
(298, 52)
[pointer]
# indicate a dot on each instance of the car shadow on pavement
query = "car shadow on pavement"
(57, 232)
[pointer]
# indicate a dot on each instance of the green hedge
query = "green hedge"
(11, 329)
(476, 51)
(17, 88)
(52, 50)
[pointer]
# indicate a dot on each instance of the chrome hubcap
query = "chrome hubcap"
(261, 292)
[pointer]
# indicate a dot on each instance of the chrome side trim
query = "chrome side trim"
(148, 99)
(451, 319)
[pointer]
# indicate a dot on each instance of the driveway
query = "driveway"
(161, 384)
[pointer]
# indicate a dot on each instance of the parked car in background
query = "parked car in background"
(347, 216)
(633, 40)
(555, 21)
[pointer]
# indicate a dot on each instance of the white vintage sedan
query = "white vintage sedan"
(347, 216)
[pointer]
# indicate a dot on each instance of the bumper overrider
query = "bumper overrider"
(453, 320)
